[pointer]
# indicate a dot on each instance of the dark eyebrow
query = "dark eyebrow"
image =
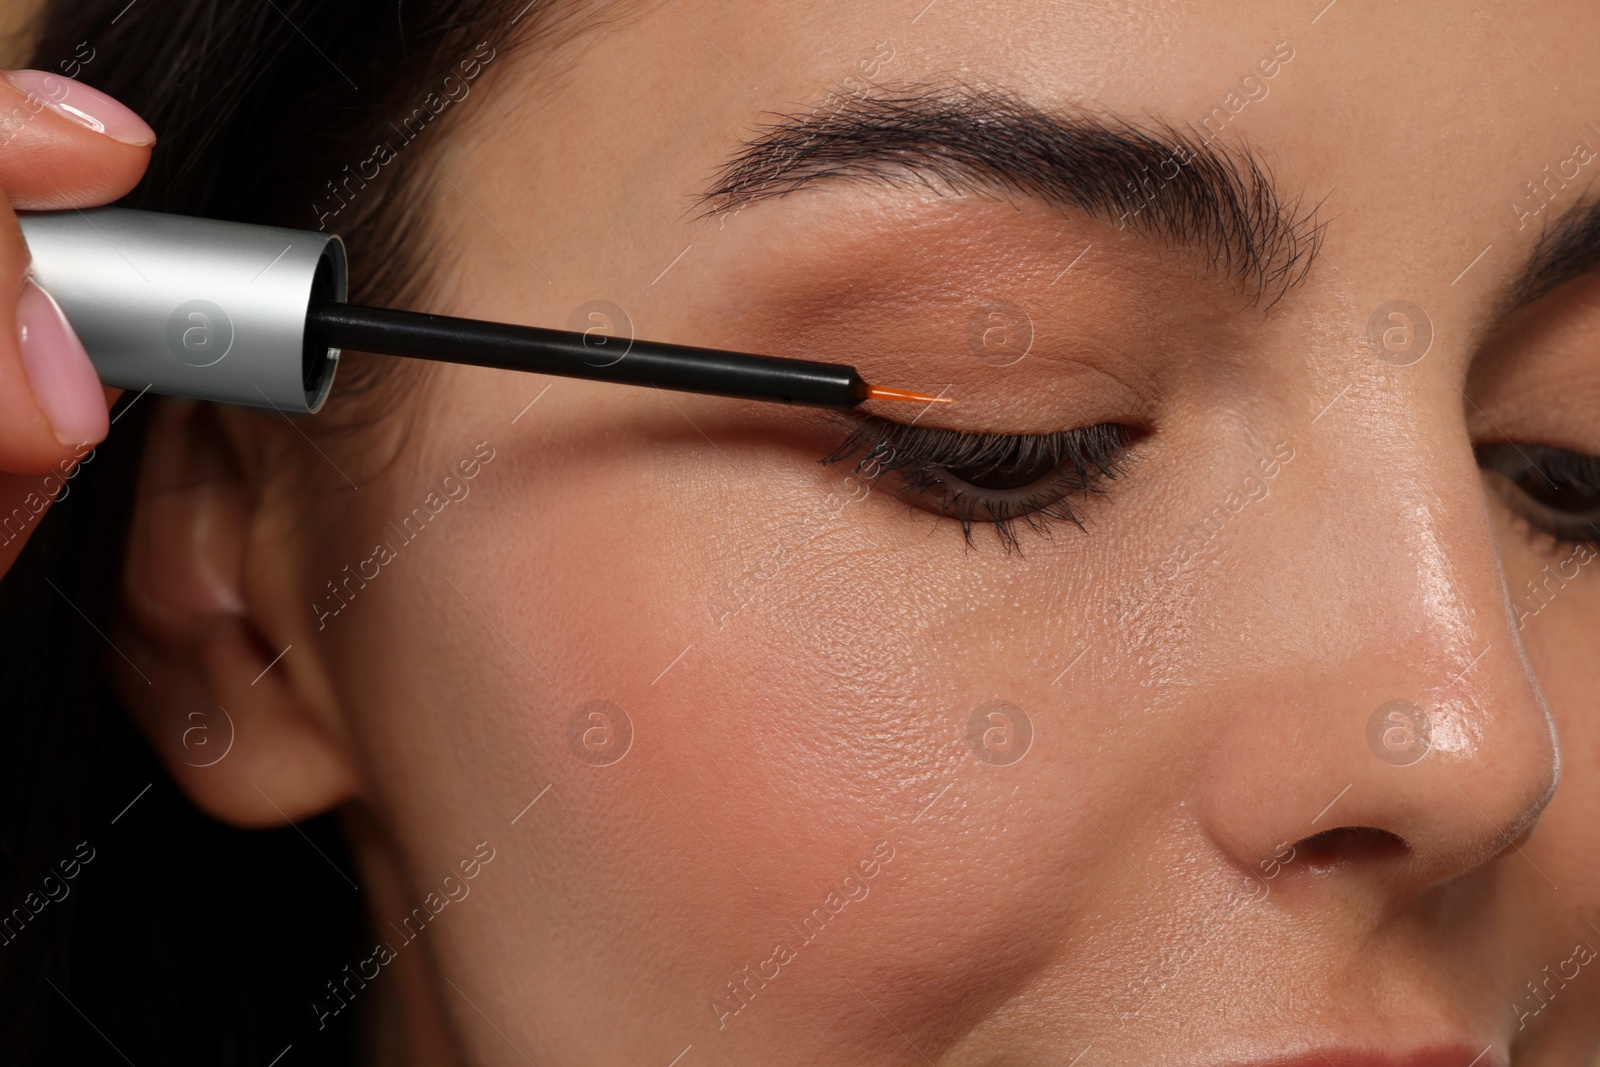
(1153, 179)
(1567, 248)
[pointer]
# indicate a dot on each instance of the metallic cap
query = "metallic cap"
(192, 307)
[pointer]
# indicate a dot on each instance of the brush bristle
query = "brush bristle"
(884, 392)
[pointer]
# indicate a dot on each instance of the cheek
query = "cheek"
(734, 694)
(781, 706)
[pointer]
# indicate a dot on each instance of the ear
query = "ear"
(248, 730)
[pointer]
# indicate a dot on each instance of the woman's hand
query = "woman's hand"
(62, 145)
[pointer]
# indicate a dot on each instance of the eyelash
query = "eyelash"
(935, 466)
(1551, 484)
(1557, 491)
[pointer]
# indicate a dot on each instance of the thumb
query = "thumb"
(63, 145)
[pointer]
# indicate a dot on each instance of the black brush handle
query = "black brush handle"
(578, 355)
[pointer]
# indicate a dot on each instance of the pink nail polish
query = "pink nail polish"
(64, 382)
(84, 104)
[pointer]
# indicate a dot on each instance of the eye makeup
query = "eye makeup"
(1555, 490)
(1036, 480)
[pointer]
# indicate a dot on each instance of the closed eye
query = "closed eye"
(997, 479)
(1557, 491)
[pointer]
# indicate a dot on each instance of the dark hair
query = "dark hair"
(134, 927)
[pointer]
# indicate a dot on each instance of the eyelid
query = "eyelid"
(1513, 463)
(929, 462)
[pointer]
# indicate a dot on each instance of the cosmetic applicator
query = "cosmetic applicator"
(256, 315)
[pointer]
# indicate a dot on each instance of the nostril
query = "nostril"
(1350, 844)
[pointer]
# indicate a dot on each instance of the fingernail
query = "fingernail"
(84, 104)
(64, 382)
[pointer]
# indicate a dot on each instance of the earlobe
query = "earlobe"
(242, 722)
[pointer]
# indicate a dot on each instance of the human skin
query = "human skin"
(51, 160)
(799, 670)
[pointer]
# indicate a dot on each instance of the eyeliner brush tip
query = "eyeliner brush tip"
(884, 392)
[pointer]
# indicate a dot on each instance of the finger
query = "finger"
(64, 144)
(51, 400)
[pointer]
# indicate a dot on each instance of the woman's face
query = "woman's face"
(773, 767)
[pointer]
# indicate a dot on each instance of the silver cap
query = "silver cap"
(192, 307)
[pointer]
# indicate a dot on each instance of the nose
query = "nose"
(1395, 725)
